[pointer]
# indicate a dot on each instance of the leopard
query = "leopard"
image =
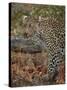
(50, 34)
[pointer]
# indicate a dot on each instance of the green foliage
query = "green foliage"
(34, 11)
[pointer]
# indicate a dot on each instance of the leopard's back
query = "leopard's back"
(54, 36)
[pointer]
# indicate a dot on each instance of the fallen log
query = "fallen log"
(26, 45)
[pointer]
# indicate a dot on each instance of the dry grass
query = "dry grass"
(26, 66)
(30, 69)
